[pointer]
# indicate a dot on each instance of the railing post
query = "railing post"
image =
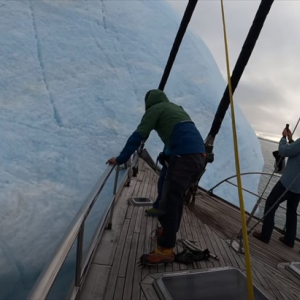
(75, 231)
(109, 225)
(128, 165)
(79, 256)
(135, 167)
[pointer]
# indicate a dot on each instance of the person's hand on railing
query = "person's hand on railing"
(112, 161)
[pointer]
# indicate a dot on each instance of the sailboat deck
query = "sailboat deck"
(115, 274)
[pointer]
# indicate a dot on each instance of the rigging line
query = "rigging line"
(177, 42)
(237, 164)
(240, 65)
(262, 194)
(296, 126)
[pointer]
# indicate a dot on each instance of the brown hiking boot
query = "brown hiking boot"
(258, 236)
(158, 256)
(282, 240)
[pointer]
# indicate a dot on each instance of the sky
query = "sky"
(269, 90)
(73, 79)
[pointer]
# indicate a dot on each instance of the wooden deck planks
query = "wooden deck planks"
(136, 292)
(116, 263)
(273, 252)
(209, 223)
(127, 245)
(119, 289)
(131, 268)
(96, 282)
(197, 237)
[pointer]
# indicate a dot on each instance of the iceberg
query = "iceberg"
(73, 79)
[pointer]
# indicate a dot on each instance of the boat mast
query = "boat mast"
(174, 50)
(237, 72)
(177, 42)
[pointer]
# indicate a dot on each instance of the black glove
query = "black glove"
(162, 158)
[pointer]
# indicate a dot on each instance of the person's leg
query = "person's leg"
(170, 203)
(291, 218)
(162, 254)
(153, 212)
(181, 173)
(160, 184)
(268, 222)
(197, 169)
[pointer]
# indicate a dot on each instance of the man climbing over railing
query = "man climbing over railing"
(287, 188)
(184, 144)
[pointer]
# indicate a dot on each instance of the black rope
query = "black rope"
(181, 31)
(177, 42)
(241, 63)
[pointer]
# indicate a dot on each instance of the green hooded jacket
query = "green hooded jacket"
(161, 115)
(173, 125)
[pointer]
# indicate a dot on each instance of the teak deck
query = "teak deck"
(114, 273)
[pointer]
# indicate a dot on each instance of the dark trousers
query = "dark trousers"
(181, 173)
(160, 185)
(291, 213)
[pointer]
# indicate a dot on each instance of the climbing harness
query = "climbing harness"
(188, 256)
(144, 261)
(192, 252)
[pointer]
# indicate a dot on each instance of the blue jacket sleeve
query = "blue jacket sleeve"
(133, 143)
(288, 150)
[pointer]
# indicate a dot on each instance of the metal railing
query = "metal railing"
(75, 232)
(239, 246)
(210, 191)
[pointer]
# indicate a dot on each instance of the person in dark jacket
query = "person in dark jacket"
(287, 188)
(185, 147)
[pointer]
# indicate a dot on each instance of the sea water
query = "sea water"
(266, 184)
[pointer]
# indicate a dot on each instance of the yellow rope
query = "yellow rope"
(238, 171)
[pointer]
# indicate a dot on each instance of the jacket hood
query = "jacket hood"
(154, 97)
